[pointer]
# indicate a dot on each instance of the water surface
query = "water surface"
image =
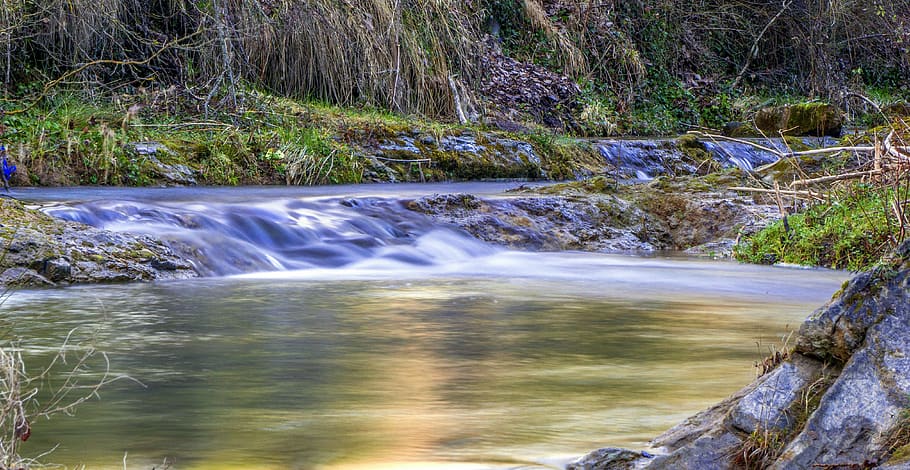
(338, 330)
(514, 369)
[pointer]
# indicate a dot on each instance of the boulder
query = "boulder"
(818, 119)
(174, 174)
(739, 129)
(898, 109)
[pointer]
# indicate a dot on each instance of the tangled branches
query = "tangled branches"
(74, 375)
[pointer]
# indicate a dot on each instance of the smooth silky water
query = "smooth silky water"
(419, 349)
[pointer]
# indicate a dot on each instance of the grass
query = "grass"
(70, 139)
(898, 442)
(851, 232)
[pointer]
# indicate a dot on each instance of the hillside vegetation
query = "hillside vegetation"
(637, 63)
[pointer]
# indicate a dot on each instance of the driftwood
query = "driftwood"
(780, 154)
(781, 192)
(897, 151)
(886, 156)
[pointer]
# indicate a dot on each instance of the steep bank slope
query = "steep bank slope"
(841, 399)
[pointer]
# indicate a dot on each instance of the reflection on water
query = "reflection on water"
(443, 370)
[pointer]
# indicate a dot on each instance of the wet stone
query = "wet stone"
(23, 277)
(57, 270)
(611, 458)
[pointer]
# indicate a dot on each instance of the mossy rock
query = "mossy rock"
(899, 109)
(817, 119)
(697, 154)
(795, 143)
(739, 129)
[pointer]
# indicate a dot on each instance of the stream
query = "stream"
(336, 329)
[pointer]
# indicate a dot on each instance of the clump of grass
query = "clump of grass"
(851, 232)
(897, 444)
(759, 450)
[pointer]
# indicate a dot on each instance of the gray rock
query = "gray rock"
(709, 451)
(838, 329)
(451, 157)
(863, 405)
(20, 276)
(801, 119)
(894, 466)
(56, 270)
(766, 407)
(611, 458)
(522, 152)
(401, 145)
(172, 173)
(46, 250)
(542, 223)
(463, 144)
(165, 264)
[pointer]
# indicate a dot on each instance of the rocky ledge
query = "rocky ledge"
(603, 215)
(39, 250)
(839, 400)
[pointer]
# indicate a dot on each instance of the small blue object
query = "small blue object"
(647, 454)
(8, 169)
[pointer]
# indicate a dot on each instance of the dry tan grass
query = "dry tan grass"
(571, 59)
(403, 54)
(373, 52)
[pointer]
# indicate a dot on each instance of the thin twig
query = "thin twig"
(832, 178)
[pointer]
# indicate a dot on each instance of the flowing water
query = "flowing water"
(644, 159)
(339, 330)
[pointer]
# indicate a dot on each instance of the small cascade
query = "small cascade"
(743, 156)
(287, 234)
(643, 159)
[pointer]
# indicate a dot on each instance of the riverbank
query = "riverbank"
(683, 203)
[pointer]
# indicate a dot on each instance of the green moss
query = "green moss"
(698, 155)
(800, 119)
(597, 184)
(898, 442)
(795, 144)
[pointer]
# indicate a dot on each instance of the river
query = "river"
(364, 336)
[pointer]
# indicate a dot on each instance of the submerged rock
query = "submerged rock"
(841, 401)
(542, 223)
(42, 250)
